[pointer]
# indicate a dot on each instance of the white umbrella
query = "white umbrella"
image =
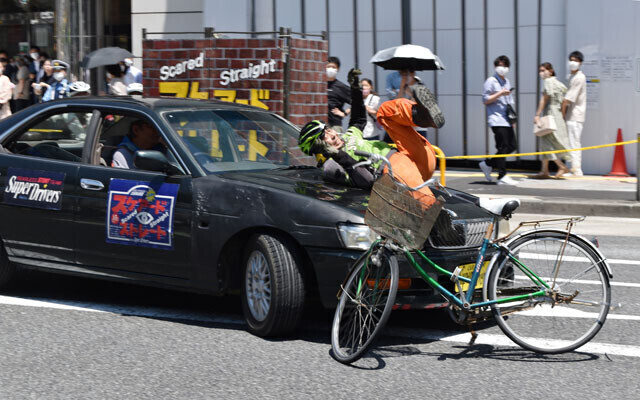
(407, 56)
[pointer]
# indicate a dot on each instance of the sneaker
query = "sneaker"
(487, 170)
(425, 112)
(577, 172)
(505, 180)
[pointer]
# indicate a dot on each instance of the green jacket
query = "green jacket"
(353, 141)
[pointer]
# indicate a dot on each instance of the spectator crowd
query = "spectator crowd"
(34, 77)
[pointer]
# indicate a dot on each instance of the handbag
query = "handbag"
(545, 126)
(512, 116)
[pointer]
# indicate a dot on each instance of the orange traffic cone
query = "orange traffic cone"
(619, 166)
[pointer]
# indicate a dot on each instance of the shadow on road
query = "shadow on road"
(226, 313)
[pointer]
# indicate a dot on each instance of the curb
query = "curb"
(573, 206)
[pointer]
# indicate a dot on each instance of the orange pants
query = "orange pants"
(415, 160)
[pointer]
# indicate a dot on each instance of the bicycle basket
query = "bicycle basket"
(397, 213)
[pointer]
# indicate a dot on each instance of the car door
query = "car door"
(39, 174)
(131, 222)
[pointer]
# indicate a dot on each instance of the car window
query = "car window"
(116, 133)
(223, 140)
(60, 136)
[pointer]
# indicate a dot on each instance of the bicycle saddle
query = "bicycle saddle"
(502, 207)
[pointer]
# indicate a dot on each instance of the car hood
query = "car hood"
(306, 182)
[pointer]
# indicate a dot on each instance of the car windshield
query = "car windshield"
(231, 140)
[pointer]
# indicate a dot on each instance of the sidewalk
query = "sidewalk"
(590, 195)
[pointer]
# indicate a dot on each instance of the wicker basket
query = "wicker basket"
(396, 212)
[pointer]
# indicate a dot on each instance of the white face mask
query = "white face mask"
(574, 65)
(109, 76)
(58, 76)
(34, 56)
(332, 72)
(502, 71)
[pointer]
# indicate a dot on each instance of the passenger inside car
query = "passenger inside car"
(142, 136)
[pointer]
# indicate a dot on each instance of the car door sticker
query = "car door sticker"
(34, 188)
(140, 213)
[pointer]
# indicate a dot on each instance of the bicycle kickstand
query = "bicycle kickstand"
(473, 333)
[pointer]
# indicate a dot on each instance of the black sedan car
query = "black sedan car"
(230, 205)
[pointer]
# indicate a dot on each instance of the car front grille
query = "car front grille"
(450, 234)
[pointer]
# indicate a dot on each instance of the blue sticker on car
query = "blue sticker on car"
(141, 213)
(34, 188)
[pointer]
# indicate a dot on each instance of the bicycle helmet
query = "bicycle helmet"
(79, 87)
(311, 132)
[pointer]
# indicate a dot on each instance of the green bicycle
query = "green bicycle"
(548, 289)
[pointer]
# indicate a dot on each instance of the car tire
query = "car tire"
(272, 286)
(8, 270)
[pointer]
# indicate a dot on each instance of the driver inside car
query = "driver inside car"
(143, 136)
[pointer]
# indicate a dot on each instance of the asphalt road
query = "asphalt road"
(71, 338)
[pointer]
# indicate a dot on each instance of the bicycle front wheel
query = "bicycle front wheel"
(365, 304)
(576, 282)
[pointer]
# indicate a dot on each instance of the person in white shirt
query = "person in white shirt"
(574, 107)
(116, 84)
(132, 74)
(371, 104)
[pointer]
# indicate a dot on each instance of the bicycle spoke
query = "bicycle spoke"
(365, 304)
(578, 294)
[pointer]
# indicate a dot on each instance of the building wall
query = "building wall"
(601, 29)
(165, 16)
(241, 70)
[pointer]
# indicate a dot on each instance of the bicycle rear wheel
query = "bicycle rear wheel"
(578, 292)
(365, 304)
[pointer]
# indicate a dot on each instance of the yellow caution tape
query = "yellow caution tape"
(537, 153)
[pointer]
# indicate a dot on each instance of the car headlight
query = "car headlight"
(357, 237)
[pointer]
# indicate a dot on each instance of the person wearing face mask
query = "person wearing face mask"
(6, 90)
(131, 73)
(496, 95)
(337, 95)
(574, 107)
(549, 105)
(371, 104)
(60, 88)
(34, 55)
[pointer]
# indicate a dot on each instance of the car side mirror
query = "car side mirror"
(153, 160)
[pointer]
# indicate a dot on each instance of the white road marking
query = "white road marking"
(181, 314)
(138, 311)
(549, 257)
(582, 281)
(546, 310)
(626, 262)
(501, 340)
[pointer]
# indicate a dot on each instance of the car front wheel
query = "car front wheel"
(272, 286)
